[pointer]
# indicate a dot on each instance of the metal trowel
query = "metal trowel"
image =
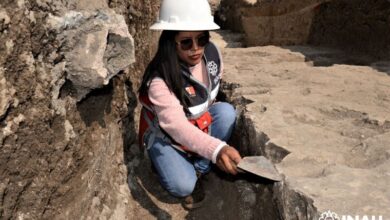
(260, 166)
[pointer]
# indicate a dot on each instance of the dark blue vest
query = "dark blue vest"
(197, 96)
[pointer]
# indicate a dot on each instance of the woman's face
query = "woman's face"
(190, 46)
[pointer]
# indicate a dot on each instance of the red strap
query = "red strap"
(203, 122)
(143, 124)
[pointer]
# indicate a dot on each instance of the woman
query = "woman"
(182, 125)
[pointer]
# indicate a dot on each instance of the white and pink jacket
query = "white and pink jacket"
(164, 113)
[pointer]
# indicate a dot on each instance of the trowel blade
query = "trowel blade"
(260, 166)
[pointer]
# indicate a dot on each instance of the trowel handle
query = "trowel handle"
(239, 170)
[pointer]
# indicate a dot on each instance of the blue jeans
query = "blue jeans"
(176, 170)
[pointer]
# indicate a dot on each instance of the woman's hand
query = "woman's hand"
(227, 159)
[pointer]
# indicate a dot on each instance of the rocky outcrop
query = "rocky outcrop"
(68, 75)
(96, 47)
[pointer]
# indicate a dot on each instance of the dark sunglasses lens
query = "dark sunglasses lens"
(202, 41)
(186, 44)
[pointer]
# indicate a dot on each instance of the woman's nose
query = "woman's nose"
(194, 44)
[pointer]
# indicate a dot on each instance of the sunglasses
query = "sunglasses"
(187, 44)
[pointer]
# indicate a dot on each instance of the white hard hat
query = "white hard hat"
(185, 15)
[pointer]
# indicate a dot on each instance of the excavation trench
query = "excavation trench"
(244, 196)
(67, 137)
(247, 196)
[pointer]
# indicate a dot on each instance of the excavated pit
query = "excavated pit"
(244, 196)
(67, 147)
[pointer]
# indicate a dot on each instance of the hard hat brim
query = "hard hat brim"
(183, 26)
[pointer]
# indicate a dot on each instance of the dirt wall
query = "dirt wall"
(358, 26)
(68, 74)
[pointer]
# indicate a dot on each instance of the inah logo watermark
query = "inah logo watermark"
(329, 215)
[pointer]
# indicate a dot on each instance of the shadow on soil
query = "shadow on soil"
(140, 179)
(327, 56)
(244, 196)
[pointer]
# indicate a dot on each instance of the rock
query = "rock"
(5, 95)
(98, 46)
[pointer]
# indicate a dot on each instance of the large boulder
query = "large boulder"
(97, 46)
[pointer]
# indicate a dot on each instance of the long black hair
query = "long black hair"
(165, 64)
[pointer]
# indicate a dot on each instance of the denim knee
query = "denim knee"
(225, 112)
(181, 187)
(228, 113)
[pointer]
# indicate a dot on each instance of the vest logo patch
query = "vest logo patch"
(212, 67)
(190, 90)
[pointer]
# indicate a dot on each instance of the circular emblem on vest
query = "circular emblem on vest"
(212, 67)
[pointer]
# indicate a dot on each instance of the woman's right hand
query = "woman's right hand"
(227, 159)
